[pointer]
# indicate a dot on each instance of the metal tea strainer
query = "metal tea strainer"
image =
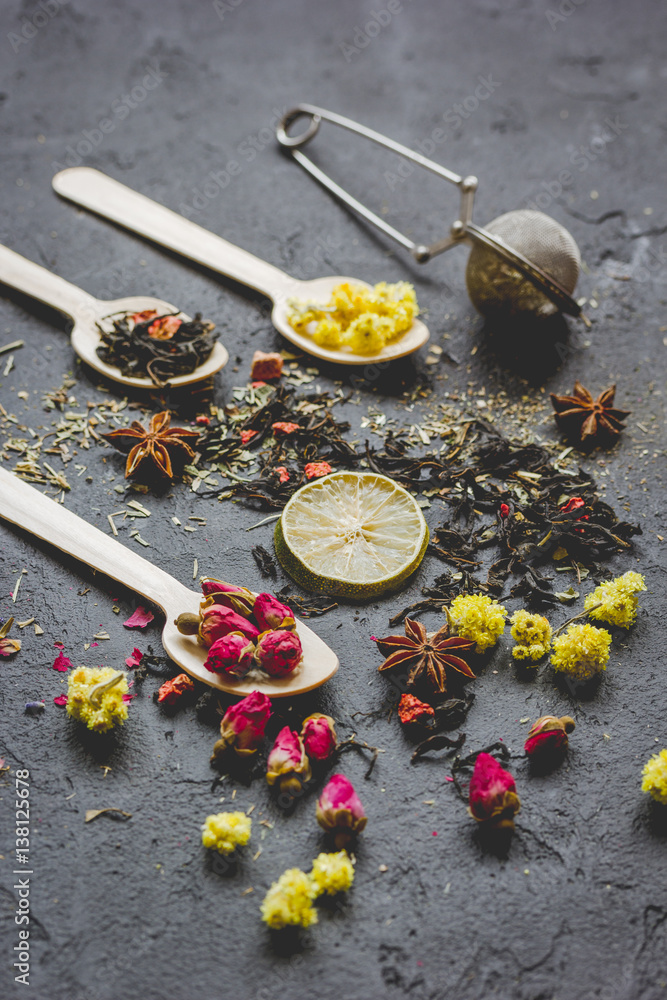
(523, 262)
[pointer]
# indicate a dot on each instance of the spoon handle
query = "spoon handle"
(33, 279)
(26, 507)
(113, 200)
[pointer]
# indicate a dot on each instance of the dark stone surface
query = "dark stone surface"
(578, 906)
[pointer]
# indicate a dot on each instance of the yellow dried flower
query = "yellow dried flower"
(289, 901)
(225, 831)
(617, 599)
(365, 319)
(332, 873)
(478, 617)
(582, 651)
(328, 333)
(346, 301)
(303, 315)
(655, 777)
(108, 709)
(532, 634)
(368, 333)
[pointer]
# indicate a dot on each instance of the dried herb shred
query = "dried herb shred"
(161, 347)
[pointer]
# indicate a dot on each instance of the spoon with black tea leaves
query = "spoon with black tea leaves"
(29, 509)
(87, 312)
(112, 200)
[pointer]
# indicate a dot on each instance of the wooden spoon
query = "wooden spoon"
(29, 509)
(107, 197)
(86, 311)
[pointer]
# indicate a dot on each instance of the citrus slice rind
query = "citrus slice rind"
(351, 534)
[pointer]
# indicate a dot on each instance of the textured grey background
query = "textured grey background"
(578, 908)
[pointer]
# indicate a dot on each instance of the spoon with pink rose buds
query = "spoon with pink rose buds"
(31, 510)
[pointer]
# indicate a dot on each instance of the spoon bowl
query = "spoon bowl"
(101, 194)
(26, 507)
(87, 311)
(319, 290)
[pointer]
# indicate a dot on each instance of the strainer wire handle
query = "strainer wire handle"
(293, 144)
(463, 230)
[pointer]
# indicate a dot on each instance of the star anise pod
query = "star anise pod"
(159, 444)
(587, 419)
(428, 656)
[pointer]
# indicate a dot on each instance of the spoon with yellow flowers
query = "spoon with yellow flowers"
(338, 319)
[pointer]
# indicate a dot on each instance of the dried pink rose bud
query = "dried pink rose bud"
(288, 763)
(239, 599)
(492, 794)
(243, 725)
(279, 652)
(548, 735)
(319, 736)
(339, 810)
(218, 621)
(271, 614)
(231, 654)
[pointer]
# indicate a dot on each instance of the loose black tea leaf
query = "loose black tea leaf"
(160, 347)
(438, 742)
(444, 589)
(498, 493)
(265, 561)
(452, 713)
(308, 607)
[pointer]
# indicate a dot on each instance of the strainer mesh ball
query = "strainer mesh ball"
(497, 287)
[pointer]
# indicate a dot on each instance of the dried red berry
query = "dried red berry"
(574, 504)
(143, 317)
(315, 469)
(173, 690)
(248, 436)
(284, 427)
(266, 366)
(164, 328)
(411, 709)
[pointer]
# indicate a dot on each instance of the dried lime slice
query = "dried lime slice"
(353, 534)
